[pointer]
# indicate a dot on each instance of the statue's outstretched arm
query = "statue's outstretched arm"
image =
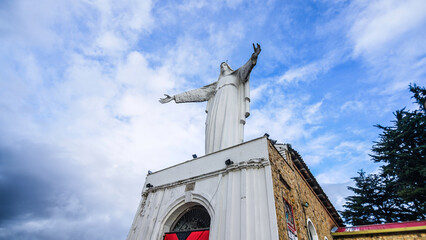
(166, 99)
(255, 53)
(197, 95)
(245, 70)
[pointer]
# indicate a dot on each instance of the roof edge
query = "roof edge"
(301, 166)
(378, 231)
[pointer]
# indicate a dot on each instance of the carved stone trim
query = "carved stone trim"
(252, 163)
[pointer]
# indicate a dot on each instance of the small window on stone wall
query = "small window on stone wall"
(325, 238)
(312, 233)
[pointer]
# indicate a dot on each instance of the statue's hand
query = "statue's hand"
(256, 50)
(166, 99)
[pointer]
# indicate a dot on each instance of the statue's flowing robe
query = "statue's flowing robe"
(227, 108)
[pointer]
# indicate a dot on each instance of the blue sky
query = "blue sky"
(80, 122)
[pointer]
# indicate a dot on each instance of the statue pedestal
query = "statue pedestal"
(238, 197)
(253, 190)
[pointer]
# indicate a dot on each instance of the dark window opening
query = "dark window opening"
(193, 218)
(192, 224)
(285, 183)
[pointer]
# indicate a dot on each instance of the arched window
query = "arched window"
(190, 221)
(312, 233)
(192, 218)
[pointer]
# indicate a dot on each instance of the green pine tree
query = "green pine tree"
(402, 149)
(398, 192)
(359, 208)
(374, 201)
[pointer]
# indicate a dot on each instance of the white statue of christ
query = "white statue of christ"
(228, 103)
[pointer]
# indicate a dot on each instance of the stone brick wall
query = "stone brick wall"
(386, 236)
(289, 184)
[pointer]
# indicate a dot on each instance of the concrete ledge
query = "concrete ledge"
(378, 231)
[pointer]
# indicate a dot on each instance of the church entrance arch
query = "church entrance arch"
(189, 222)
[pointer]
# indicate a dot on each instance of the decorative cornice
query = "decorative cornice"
(250, 164)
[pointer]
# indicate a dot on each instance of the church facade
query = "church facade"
(254, 190)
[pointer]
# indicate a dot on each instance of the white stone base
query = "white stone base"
(238, 197)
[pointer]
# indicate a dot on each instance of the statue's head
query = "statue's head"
(224, 68)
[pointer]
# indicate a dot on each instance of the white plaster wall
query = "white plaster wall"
(239, 197)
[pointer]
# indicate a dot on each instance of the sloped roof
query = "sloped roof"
(309, 177)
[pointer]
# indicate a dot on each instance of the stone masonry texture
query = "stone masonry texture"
(289, 183)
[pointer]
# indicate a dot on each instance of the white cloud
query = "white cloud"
(233, 3)
(113, 134)
(27, 20)
(309, 71)
(80, 78)
(313, 113)
(317, 148)
(192, 5)
(136, 73)
(109, 41)
(101, 115)
(257, 93)
(389, 37)
(337, 193)
(352, 146)
(313, 160)
(352, 156)
(286, 117)
(381, 23)
(352, 106)
(301, 73)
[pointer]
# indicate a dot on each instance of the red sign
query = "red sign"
(189, 235)
(382, 226)
(289, 218)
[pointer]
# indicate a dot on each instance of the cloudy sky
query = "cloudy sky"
(80, 122)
